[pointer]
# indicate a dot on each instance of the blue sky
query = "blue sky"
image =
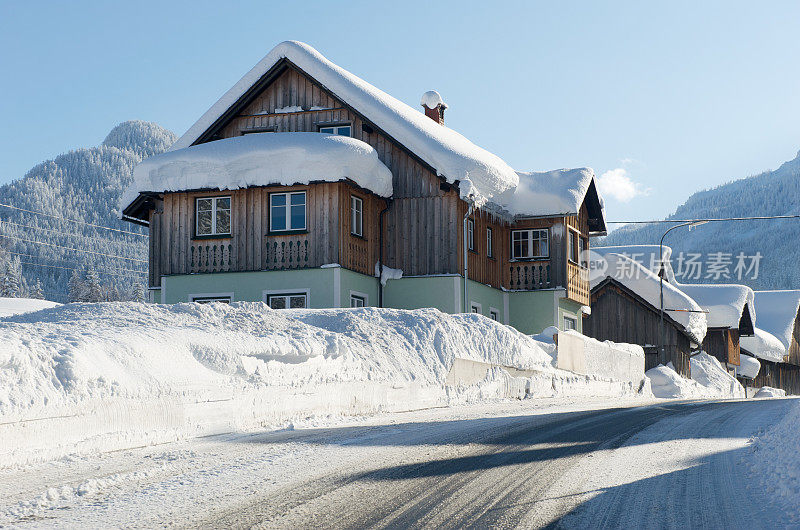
(661, 99)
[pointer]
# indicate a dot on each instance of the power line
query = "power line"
(757, 218)
(60, 232)
(74, 221)
(121, 270)
(73, 249)
(76, 269)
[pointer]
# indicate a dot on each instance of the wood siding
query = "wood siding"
(794, 346)
(174, 249)
(777, 375)
(722, 343)
(621, 317)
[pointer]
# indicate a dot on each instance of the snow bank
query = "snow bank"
(646, 284)
(88, 377)
(481, 174)
(769, 392)
(764, 345)
(748, 367)
(612, 360)
(776, 311)
(261, 160)
(16, 306)
(709, 380)
(773, 460)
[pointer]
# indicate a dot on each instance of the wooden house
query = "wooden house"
(238, 211)
(625, 307)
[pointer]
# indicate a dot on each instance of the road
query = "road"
(665, 465)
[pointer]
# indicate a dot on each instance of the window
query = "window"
(287, 211)
(339, 130)
(212, 216)
(210, 299)
(288, 301)
(475, 307)
(526, 244)
(471, 234)
(357, 300)
(493, 314)
(573, 247)
(489, 243)
(570, 323)
(356, 216)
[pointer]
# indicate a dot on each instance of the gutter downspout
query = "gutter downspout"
(466, 249)
(380, 251)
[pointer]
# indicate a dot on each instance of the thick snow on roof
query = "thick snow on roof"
(764, 345)
(725, 303)
(481, 174)
(776, 312)
(432, 99)
(748, 367)
(641, 281)
(18, 306)
(547, 193)
(645, 255)
(262, 159)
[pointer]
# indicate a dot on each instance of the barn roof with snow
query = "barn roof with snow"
(482, 177)
(764, 345)
(728, 305)
(778, 312)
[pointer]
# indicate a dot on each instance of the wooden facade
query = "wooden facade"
(778, 375)
(620, 315)
(423, 224)
(723, 343)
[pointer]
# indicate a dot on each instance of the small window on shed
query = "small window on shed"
(338, 130)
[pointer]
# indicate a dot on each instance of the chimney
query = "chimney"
(434, 106)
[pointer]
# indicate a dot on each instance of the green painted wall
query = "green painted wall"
(488, 297)
(572, 309)
(427, 291)
(353, 281)
(532, 311)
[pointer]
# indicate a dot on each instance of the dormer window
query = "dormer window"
(339, 130)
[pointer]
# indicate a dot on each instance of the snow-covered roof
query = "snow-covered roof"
(764, 345)
(548, 193)
(432, 99)
(748, 367)
(644, 283)
(645, 255)
(725, 303)
(481, 174)
(776, 312)
(259, 160)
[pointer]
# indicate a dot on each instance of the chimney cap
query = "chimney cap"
(432, 99)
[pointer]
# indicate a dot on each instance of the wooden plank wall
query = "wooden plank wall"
(618, 317)
(794, 345)
(722, 343)
(175, 250)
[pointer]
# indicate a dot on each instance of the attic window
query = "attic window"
(338, 130)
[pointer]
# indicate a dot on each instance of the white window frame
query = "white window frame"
(360, 295)
(288, 212)
(475, 305)
(583, 252)
(530, 238)
(214, 200)
(356, 214)
(570, 318)
(494, 314)
(489, 243)
(471, 235)
(210, 297)
(335, 129)
(575, 259)
(267, 293)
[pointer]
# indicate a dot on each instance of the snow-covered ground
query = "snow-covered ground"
(16, 306)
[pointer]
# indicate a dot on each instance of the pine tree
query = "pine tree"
(94, 290)
(77, 287)
(137, 293)
(36, 291)
(11, 282)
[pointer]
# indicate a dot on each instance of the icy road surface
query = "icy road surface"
(522, 464)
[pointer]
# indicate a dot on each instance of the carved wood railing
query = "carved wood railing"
(528, 276)
(357, 256)
(210, 257)
(286, 253)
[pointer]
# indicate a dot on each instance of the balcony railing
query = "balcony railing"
(287, 253)
(530, 276)
(210, 257)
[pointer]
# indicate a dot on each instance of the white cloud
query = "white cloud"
(616, 183)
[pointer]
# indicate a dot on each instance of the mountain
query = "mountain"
(82, 185)
(770, 193)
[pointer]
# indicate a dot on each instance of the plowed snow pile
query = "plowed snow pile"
(125, 373)
(709, 380)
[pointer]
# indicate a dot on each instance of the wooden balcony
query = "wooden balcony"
(529, 276)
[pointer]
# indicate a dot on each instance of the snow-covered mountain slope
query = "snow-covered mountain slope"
(770, 193)
(84, 185)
